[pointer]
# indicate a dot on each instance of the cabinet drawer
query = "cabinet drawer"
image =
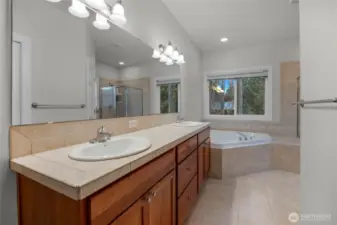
(187, 200)
(186, 171)
(116, 198)
(184, 149)
(204, 135)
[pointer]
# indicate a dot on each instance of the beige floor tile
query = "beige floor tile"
(264, 198)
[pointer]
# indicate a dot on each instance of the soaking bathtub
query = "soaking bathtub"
(239, 153)
(234, 139)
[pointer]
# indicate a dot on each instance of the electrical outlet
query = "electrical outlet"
(133, 123)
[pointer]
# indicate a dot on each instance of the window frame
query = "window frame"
(166, 80)
(236, 73)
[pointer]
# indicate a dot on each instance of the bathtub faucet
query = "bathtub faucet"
(243, 136)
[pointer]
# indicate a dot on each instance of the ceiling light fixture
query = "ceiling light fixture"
(121, 63)
(78, 9)
(118, 13)
(224, 39)
(53, 1)
(168, 55)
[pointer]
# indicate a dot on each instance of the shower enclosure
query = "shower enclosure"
(120, 101)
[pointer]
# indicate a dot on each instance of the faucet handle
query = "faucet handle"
(101, 129)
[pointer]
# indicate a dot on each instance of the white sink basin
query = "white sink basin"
(117, 147)
(187, 124)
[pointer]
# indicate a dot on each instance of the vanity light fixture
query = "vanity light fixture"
(101, 22)
(118, 13)
(97, 4)
(78, 9)
(105, 13)
(168, 55)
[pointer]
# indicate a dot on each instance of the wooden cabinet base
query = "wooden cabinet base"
(39, 205)
(149, 195)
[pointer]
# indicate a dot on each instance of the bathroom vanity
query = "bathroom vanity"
(159, 187)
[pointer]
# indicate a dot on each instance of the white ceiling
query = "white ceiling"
(244, 22)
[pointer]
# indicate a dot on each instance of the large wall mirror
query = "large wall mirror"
(65, 69)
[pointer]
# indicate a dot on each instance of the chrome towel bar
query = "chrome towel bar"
(302, 102)
(45, 106)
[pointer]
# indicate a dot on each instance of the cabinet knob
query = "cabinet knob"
(154, 193)
(189, 198)
(189, 169)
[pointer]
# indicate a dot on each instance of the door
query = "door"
(107, 102)
(133, 216)
(16, 83)
(161, 207)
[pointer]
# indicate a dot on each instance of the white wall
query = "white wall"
(8, 206)
(318, 31)
(267, 54)
(107, 72)
(60, 57)
(151, 22)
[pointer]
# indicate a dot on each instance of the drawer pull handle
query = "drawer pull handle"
(154, 193)
(189, 169)
(189, 198)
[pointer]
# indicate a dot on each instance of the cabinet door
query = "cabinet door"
(201, 170)
(204, 157)
(207, 158)
(161, 207)
(135, 215)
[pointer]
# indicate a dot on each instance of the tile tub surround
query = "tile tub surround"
(282, 154)
(78, 180)
(31, 139)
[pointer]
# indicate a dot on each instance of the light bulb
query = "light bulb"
(118, 14)
(97, 4)
(156, 54)
(163, 58)
(78, 9)
(169, 62)
(53, 1)
(169, 50)
(101, 22)
(175, 54)
(181, 59)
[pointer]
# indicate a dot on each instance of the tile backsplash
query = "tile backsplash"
(36, 138)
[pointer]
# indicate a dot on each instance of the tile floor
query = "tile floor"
(264, 198)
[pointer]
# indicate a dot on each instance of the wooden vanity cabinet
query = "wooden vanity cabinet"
(157, 207)
(162, 192)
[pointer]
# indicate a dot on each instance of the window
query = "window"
(169, 98)
(238, 94)
(168, 92)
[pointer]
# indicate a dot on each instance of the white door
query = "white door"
(21, 80)
(16, 83)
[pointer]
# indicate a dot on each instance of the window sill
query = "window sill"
(239, 117)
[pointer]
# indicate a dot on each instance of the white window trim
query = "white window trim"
(268, 96)
(26, 75)
(156, 107)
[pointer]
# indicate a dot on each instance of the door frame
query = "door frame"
(26, 78)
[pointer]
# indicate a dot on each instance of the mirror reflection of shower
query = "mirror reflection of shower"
(120, 101)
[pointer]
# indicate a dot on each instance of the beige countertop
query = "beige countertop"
(79, 180)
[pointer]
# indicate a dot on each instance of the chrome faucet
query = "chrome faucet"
(102, 135)
(180, 119)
